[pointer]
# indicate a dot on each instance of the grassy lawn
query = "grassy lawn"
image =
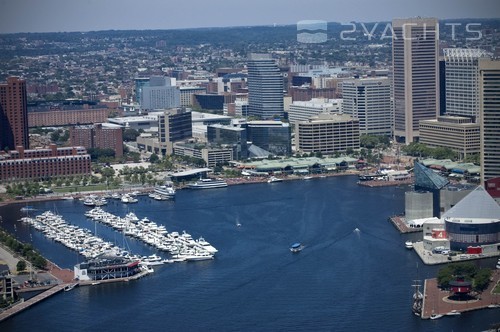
(496, 290)
(72, 189)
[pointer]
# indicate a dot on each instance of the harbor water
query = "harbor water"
(354, 273)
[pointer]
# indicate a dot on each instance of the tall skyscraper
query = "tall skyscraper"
(369, 100)
(462, 81)
(489, 105)
(265, 87)
(415, 75)
(13, 114)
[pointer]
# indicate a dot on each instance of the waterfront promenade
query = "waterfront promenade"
(436, 300)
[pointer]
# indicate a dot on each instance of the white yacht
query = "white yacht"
(166, 191)
(208, 184)
(206, 246)
(274, 179)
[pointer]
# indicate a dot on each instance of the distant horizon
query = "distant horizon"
(52, 16)
(235, 26)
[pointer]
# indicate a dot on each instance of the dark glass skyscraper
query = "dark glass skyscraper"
(265, 87)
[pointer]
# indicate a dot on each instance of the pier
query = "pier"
(401, 226)
(34, 300)
(436, 300)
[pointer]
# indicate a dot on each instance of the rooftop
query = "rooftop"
(476, 207)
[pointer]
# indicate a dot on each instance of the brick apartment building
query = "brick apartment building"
(13, 114)
(101, 135)
(67, 117)
(21, 164)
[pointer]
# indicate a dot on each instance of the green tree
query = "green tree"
(130, 135)
(482, 279)
(154, 158)
(21, 266)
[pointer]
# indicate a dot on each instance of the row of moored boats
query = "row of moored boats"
(182, 247)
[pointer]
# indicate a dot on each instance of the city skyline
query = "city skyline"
(91, 15)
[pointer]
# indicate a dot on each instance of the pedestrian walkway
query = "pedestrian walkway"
(34, 300)
(436, 300)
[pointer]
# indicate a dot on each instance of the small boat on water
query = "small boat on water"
(409, 245)
(453, 313)
(435, 316)
(70, 287)
(27, 208)
(296, 247)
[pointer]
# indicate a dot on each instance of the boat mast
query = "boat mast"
(418, 297)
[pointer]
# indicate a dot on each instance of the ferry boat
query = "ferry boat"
(296, 247)
(208, 184)
(165, 191)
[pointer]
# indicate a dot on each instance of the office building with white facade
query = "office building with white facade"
(457, 133)
(327, 133)
(489, 106)
(369, 100)
(160, 94)
(303, 110)
(462, 81)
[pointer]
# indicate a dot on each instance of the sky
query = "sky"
(93, 15)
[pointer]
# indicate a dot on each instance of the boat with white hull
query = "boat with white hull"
(165, 191)
(208, 184)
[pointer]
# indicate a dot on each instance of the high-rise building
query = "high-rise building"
(369, 100)
(100, 135)
(160, 94)
(13, 114)
(271, 136)
(462, 81)
(303, 110)
(489, 106)
(327, 133)
(173, 125)
(265, 87)
(140, 83)
(229, 136)
(415, 75)
(457, 133)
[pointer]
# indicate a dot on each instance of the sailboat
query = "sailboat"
(418, 297)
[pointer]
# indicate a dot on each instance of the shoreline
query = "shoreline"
(142, 189)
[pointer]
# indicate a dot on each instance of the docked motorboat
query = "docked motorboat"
(208, 184)
(152, 260)
(453, 313)
(409, 245)
(70, 287)
(296, 247)
(274, 179)
(202, 243)
(165, 191)
(435, 316)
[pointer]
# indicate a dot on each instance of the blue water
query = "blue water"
(342, 281)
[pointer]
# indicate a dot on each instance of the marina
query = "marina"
(253, 227)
